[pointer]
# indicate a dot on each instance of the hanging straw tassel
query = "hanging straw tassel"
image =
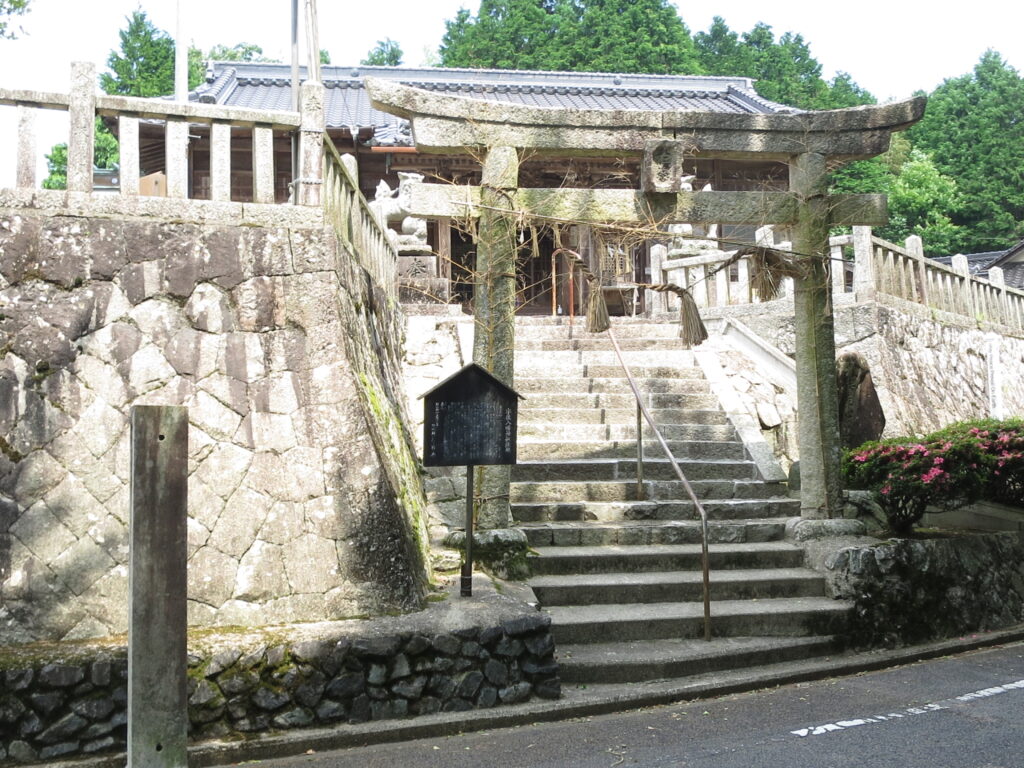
(597, 308)
(691, 327)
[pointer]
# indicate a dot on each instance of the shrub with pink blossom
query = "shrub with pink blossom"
(947, 469)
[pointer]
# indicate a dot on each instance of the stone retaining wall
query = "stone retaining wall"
(305, 500)
(916, 590)
(457, 655)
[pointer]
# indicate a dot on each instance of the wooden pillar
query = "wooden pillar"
(818, 409)
(494, 309)
(157, 583)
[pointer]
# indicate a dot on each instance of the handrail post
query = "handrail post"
(640, 495)
(705, 566)
(81, 126)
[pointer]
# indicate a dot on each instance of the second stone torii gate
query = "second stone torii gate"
(811, 143)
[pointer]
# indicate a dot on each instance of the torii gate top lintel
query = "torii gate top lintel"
(454, 124)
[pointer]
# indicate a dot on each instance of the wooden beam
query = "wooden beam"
(597, 206)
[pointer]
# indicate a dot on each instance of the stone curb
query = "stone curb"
(596, 700)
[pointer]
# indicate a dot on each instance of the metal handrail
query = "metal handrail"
(679, 473)
(642, 409)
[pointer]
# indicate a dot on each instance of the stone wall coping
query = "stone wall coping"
(494, 603)
(113, 206)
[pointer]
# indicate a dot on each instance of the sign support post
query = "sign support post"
(467, 563)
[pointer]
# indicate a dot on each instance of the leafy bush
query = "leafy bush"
(947, 469)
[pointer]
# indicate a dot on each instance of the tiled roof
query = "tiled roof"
(268, 86)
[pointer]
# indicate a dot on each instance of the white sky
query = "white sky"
(891, 48)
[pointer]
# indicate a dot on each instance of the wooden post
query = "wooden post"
(818, 407)
(494, 303)
(311, 145)
(25, 175)
(157, 583)
(81, 126)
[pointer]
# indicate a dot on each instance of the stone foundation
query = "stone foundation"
(916, 590)
(457, 655)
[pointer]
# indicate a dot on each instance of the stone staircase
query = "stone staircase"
(621, 577)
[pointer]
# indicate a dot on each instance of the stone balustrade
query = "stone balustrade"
(863, 265)
(354, 221)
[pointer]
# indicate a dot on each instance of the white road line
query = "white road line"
(842, 725)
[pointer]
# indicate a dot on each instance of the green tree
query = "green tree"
(785, 70)
(9, 9)
(573, 35)
(144, 66)
(975, 134)
(387, 53)
(249, 52)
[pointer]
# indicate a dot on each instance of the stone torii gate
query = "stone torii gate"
(811, 143)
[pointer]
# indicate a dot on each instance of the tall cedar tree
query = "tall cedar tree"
(974, 131)
(387, 53)
(571, 35)
(144, 66)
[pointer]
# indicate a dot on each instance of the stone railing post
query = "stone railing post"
(311, 142)
(864, 278)
(966, 300)
(915, 247)
(838, 268)
(998, 282)
(659, 253)
(25, 175)
(81, 126)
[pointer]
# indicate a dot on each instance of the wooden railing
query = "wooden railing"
(354, 222)
(863, 265)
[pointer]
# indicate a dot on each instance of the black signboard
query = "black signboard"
(470, 419)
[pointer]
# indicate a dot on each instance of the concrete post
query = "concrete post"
(494, 307)
(81, 126)
(311, 142)
(157, 583)
(818, 409)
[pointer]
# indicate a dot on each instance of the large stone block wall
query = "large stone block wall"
(928, 370)
(304, 498)
(915, 590)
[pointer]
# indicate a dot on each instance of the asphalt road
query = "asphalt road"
(965, 711)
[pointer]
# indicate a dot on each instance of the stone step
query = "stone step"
(541, 366)
(681, 359)
(634, 511)
(570, 470)
(730, 618)
(620, 400)
(550, 561)
(636, 532)
(535, 450)
(537, 384)
(676, 586)
(589, 433)
(638, 661)
(648, 330)
(528, 344)
(654, 490)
